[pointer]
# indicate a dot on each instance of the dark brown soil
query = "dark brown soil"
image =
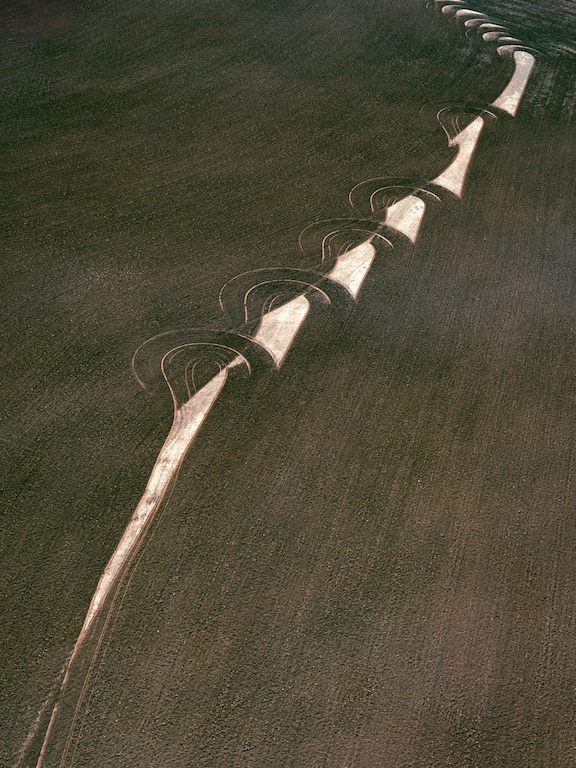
(368, 559)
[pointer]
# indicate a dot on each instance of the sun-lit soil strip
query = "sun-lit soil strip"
(187, 421)
(406, 216)
(352, 267)
(453, 177)
(510, 98)
(278, 329)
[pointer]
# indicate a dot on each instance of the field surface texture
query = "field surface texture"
(357, 546)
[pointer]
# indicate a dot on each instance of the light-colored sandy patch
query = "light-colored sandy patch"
(467, 13)
(278, 329)
(406, 216)
(352, 267)
(187, 421)
(510, 98)
(454, 176)
(488, 27)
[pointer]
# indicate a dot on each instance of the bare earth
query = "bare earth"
(368, 557)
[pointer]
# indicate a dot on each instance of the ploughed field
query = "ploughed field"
(367, 559)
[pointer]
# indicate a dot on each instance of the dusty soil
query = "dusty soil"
(368, 559)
